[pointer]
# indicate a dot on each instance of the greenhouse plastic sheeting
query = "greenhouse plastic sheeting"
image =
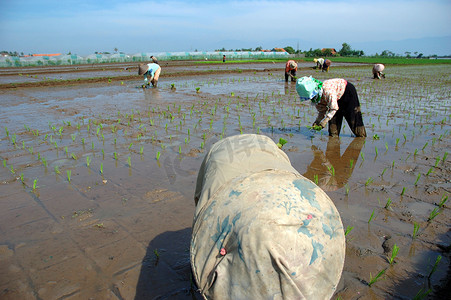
(12, 61)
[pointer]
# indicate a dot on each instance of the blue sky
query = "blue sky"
(84, 27)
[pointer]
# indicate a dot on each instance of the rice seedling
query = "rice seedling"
(88, 161)
(422, 294)
(348, 230)
(315, 179)
(445, 156)
(101, 168)
(376, 278)
(281, 143)
(416, 228)
(69, 174)
(351, 163)
(388, 203)
(158, 155)
(57, 171)
(115, 155)
(371, 217)
(74, 157)
(425, 145)
(429, 171)
(443, 201)
(331, 170)
(129, 161)
(35, 184)
(434, 213)
(434, 268)
(403, 190)
(346, 189)
(397, 141)
(418, 178)
(394, 253)
(22, 178)
(437, 160)
(368, 181)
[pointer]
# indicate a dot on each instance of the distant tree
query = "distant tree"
(313, 53)
(420, 55)
(407, 53)
(387, 53)
(259, 48)
(327, 52)
(345, 50)
(115, 49)
(289, 49)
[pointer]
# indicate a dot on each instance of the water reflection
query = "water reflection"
(151, 93)
(332, 168)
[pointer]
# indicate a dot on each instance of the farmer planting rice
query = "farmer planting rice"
(319, 62)
(334, 99)
(261, 230)
(151, 73)
(377, 71)
(290, 70)
(323, 64)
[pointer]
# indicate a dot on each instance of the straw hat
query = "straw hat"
(142, 69)
(293, 65)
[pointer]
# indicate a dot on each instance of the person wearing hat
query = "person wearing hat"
(151, 73)
(334, 99)
(261, 230)
(322, 64)
(290, 70)
(377, 71)
(319, 62)
(154, 59)
(326, 65)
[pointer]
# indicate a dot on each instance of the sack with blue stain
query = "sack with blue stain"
(261, 230)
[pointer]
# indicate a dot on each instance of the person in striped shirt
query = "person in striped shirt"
(334, 99)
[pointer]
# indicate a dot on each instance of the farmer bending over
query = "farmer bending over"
(334, 99)
(326, 65)
(377, 71)
(290, 70)
(261, 230)
(151, 73)
(319, 62)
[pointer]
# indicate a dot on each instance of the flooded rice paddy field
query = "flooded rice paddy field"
(97, 180)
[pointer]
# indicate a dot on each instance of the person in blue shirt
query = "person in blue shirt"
(151, 73)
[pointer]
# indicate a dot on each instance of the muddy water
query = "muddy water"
(88, 211)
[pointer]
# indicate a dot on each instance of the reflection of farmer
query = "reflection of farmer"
(290, 70)
(334, 99)
(342, 165)
(261, 230)
(377, 71)
(151, 73)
